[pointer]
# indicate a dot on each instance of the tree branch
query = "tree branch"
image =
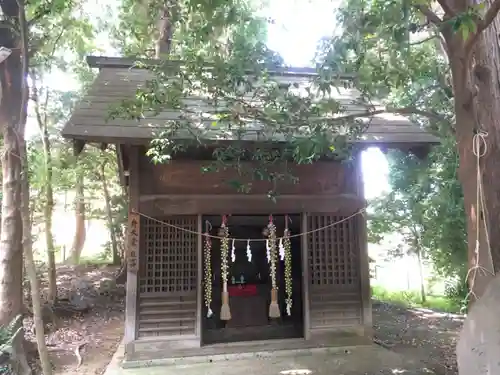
(40, 12)
(449, 13)
(431, 16)
(402, 111)
(37, 43)
(424, 40)
(482, 25)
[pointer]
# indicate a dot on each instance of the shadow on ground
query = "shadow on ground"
(419, 333)
(411, 341)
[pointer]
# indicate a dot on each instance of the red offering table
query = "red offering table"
(246, 290)
(248, 306)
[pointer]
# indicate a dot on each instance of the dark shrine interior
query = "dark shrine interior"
(249, 284)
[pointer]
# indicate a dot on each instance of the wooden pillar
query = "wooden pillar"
(305, 279)
(199, 277)
(132, 294)
(364, 264)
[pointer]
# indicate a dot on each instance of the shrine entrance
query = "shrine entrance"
(250, 282)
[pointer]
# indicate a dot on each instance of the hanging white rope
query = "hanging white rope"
(479, 149)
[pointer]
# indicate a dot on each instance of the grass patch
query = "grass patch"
(412, 298)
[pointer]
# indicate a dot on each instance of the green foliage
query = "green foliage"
(8, 332)
(445, 229)
(399, 59)
(198, 27)
(457, 291)
(7, 335)
(396, 57)
(412, 299)
(119, 207)
(229, 70)
(426, 207)
(402, 210)
(62, 33)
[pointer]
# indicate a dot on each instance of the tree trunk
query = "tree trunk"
(80, 230)
(48, 214)
(165, 30)
(11, 260)
(13, 112)
(423, 296)
(478, 105)
(11, 252)
(476, 111)
(31, 270)
(109, 215)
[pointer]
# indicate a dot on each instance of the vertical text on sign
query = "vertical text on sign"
(133, 241)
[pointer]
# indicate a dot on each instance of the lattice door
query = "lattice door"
(333, 252)
(334, 288)
(168, 277)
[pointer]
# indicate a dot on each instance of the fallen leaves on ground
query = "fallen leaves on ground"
(426, 335)
(422, 334)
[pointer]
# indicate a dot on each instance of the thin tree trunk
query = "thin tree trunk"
(11, 260)
(109, 215)
(165, 29)
(80, 230)
(423, 296)
(49, 195)
(31, 270)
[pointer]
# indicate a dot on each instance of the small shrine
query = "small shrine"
(208, 266)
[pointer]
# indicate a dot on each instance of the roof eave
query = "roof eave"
(146, 140)
(133, 63)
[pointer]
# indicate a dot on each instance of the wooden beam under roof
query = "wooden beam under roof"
(78, 145)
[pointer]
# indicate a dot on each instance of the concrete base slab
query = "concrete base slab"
(363, 360)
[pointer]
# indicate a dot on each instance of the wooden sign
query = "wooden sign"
(134, 230)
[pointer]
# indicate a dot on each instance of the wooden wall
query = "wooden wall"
(181, 188)
(186, 177)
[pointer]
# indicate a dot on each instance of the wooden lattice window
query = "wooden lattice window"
(333, 252)
(169, 255)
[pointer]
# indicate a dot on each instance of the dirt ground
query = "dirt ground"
(420, 334)
(98, 332)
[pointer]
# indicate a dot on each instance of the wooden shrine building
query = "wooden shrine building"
(316, 284)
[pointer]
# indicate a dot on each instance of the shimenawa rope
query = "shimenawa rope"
(361, 211)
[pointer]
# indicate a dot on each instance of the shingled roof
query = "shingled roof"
(119, 79)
